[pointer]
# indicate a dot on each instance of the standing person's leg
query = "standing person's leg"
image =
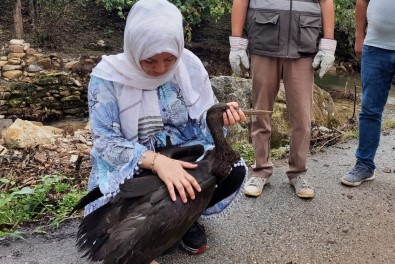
(377, 71)
(298, 83)
(265, 82)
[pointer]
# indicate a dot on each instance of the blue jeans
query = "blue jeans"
(377, 72)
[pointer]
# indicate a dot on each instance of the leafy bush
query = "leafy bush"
(192, 10)
(52, 198)
(344, 28)
(246, 151)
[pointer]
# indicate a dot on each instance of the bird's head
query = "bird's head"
(215, 115)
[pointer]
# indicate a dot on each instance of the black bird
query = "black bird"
(142, 222)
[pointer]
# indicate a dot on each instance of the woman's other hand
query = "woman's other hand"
(172, 172)
(234, 114)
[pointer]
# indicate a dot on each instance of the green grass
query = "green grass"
(388, 124)
(247, 152)
(351, 134)
(354, 134)
(279, 153)
(49, 201)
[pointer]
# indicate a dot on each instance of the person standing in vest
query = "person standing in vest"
(377, 73)
(282, 43)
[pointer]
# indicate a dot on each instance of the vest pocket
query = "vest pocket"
(309, 28)
(263, 31)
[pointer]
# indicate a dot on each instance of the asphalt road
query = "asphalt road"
(340, 225)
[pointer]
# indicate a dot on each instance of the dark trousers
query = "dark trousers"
(230, 185)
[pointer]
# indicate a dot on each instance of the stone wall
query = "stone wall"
(47, 97)
(41, 87)
(20, 60)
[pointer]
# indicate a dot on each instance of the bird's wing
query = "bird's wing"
(151, 228)
(93, 230)
(141, 186)
(185, 153)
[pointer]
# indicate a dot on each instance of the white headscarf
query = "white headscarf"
(153, 27)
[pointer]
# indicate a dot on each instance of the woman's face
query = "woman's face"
(158, 64)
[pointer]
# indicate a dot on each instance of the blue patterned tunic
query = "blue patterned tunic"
(114, 159)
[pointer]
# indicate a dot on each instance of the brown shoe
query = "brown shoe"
(302, 187)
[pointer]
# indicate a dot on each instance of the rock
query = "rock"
(69, 65)
(17, 42)
(101, 43)
(11, 67)
(41, 157)
(5, 123)
(76, 82)
(16, 55)
(74, 158)
(31, 51)
(24, 134)
(17, 61)
(231, 88)
(12, 75)
(26, 46)
(33, 68)
(3, 150)
(16, 48)
(44, 63)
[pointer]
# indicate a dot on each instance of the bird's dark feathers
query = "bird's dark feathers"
(141, 221)
(93, 195)
(140, 186)
(117, 226)
(185, 153)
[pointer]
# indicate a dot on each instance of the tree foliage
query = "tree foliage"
(192, 10)
(48, 19)
(344, 27)
(344, 10)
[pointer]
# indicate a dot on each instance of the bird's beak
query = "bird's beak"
(250, 112)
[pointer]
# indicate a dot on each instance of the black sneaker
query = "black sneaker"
(195, 241)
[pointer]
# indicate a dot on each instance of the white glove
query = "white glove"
(238, 55)
(325, 56)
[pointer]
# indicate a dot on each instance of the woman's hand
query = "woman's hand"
(172, 172)
(233, 115)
